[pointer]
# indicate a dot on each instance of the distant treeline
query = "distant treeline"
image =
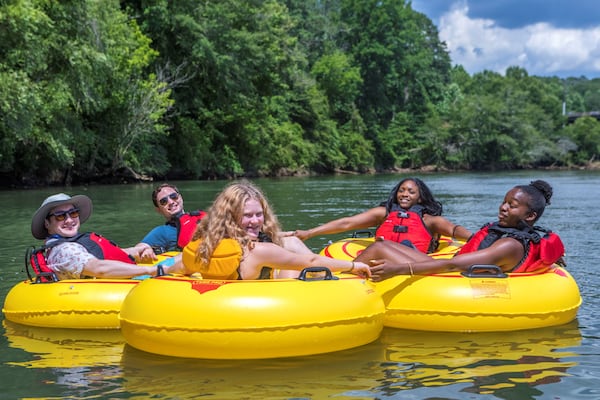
(94, 90)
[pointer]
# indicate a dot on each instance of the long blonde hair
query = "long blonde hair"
(224, 217)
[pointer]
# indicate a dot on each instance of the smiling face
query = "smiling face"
(170, 202)
(253, 218)
(408, 194)
(64, 224)
(515, 208)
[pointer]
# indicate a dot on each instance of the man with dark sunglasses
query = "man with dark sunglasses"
(179, 226)
(74, 255)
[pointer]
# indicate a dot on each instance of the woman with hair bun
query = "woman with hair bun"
(512, 243)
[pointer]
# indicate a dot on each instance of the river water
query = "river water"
(553, 363)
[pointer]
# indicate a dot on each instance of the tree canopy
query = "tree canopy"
(91, 90)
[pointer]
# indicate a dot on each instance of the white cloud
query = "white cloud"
(541, 48)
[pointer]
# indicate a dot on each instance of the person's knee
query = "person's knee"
(370, 251)
(380, 244)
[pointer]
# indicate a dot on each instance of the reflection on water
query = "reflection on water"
(64, 348)
(509, 362)
(315, 377)
(508, 365)
(82, 363)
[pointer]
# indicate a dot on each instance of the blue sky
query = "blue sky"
(546, 37)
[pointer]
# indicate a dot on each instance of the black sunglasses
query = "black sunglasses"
(165, 200)
(62, 215)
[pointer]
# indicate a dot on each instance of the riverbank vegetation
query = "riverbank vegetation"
(96, 90)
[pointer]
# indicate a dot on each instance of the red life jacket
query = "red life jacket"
(542, 246)
(97, 245)
(186, 226)
(402, 225)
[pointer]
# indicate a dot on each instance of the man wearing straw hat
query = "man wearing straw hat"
(73, 255)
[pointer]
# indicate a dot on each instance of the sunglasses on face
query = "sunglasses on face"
(62, 215)
(173, 196)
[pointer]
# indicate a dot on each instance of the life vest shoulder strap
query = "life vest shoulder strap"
(186, 225)
(545, 252)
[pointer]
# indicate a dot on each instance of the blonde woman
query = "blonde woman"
(240, 238)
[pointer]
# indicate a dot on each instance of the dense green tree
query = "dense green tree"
(186, 89)
(86, 107)
(506, 122)
(591, 99)
(318, 26)
(30, 96)
(585, 92)
(240, 61)
(404, 68)
(585, 134)
(340, 81)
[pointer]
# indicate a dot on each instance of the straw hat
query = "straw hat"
(82, 202)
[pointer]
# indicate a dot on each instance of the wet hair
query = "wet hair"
(540, 193)
(430, 205)
(158, 189)
(223, 219)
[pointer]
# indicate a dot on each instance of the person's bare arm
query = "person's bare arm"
(115, 269)
(442, 226)
(271, 255)
(387, 261)
(367, 219)
(141, 252)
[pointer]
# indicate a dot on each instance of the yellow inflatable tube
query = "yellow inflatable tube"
(187, 317)
(455, 302)
(77, 303)
(479, 301)
(350, 248)
(72, 303)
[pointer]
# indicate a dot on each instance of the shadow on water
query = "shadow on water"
(504, 365)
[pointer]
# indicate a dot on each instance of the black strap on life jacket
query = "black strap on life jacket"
(523, 233)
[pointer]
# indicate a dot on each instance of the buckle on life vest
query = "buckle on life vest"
(400, 228)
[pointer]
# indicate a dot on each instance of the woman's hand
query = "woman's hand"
(300, 234)
(361, 269)
(142, 253)
(381, 270)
